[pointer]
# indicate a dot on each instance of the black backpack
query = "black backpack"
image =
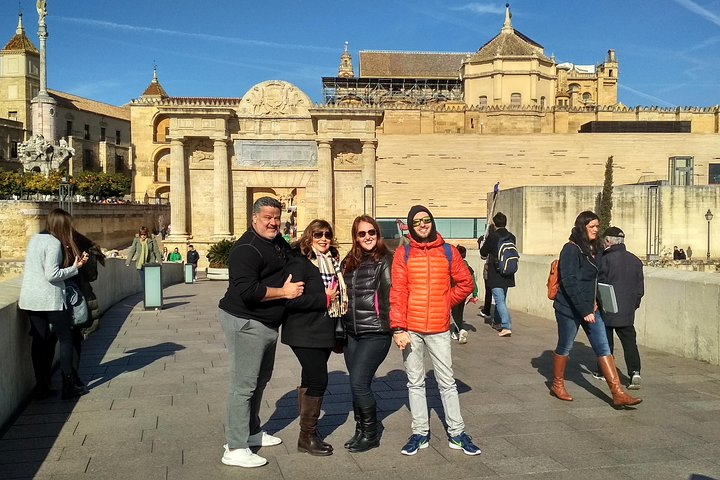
(507, 256)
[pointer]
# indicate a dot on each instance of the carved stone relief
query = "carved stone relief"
(275, 98)
(347, 155)
(201, 151)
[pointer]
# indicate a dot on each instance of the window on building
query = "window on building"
(574, 88)
(542, 102)
(12, 115)
(714, 174)
(587, 97)
(68, 128)
(680, 170)
(611, 72)
(483, 101)
(515, 99)
(87, 132)
(13, 149)
(472, 123)
(102, 134)
(117, 137)
(88, 160)
(119, 163)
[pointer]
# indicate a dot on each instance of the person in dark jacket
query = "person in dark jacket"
(366, 270)
(497, 282)
(250, 314)
(624, 271)
(576, 306)
(193, 257)
(309, 328)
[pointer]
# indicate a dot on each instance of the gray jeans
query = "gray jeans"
(438, 346)
(251, 356)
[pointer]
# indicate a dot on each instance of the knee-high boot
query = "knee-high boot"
(355, 437)
(620, 398)
(368, 430)
(558, 383)
(309, 441)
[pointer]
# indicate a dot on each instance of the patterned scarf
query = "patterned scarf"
(329, 270)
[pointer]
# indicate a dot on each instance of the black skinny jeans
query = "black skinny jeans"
(363, 356)
(314, 374)
(43, 347)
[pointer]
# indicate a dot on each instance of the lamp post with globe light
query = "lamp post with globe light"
(708, 217)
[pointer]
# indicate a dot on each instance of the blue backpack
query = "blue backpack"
(446, 249)
(507, 256)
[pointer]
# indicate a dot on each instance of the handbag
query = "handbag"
(79, 312)
(340, 329)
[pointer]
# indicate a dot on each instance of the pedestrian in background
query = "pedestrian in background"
(457, 329)
(624, 271)
(51, 257)
(143, 250)
(193, 257)
(576, 306)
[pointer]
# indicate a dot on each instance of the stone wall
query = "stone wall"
(678, 314)
(111, 226)
(453, 173)
(115, 282)
(541, 217)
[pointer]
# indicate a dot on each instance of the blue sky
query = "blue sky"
(669, 50)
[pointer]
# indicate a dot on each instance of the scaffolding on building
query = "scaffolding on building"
(388, 91)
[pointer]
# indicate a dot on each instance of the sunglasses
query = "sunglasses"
(319, 235)
(425, 220)
(372, 232)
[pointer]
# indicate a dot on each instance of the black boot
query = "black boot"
(356, 436)
(369, 431)
(43, 388)
(69, 389)
(79, 384)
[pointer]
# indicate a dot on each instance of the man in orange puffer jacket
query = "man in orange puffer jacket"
(424, 289)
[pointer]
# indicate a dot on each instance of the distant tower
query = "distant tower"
(19, 78)
(154, 92)
(43, 105)
(346, 67)
(607, 80)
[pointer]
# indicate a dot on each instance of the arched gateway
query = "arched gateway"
(227, 152)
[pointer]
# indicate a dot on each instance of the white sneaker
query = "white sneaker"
(243, 457)
(635, 381)
(462, 338)
(453, 336)
(263, 439)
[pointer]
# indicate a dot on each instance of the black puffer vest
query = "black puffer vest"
(368, 298)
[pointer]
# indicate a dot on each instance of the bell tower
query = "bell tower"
(346, 67)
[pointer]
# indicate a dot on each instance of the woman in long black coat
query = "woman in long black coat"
(309, 328)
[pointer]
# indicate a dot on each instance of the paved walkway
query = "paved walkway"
(156, 410)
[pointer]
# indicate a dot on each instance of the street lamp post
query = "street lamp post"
(708, 217)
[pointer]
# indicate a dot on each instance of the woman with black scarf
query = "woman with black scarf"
(576, 306)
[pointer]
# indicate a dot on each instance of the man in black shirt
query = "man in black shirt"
(250, 313)
(192, 258)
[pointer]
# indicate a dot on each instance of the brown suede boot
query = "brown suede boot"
(620, 398)
(558, 383)
(309, 441)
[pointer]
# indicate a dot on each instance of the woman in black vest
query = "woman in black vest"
(366, 269)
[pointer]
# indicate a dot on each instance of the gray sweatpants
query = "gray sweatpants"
(251, 357)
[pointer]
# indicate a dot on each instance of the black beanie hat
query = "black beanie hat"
(414, 210)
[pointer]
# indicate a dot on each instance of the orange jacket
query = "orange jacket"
(420, 294)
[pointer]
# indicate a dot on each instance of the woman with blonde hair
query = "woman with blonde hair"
(309, 328)
(51, 257)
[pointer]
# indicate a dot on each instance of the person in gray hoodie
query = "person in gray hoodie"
(51, 257)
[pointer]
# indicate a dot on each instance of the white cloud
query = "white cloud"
(482, 8)
(199, 36)
(647, 96)
(703, 12)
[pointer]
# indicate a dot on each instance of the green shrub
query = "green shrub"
(219, 252)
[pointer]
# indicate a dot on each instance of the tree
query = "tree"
(606, 202)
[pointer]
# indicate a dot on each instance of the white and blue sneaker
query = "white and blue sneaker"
(464, 442)
(415, 443)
